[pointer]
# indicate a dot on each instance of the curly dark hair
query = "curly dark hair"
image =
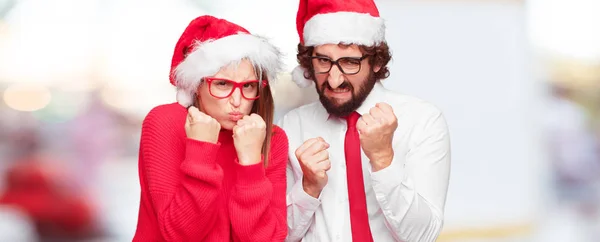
(379, 54)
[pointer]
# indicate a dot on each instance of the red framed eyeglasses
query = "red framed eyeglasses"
(223, 88)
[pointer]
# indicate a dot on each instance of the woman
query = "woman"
(212, 166)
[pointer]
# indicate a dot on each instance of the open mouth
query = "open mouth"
(342, 90)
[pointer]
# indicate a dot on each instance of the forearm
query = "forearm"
(301, 209)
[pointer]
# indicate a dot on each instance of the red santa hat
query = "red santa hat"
(337, 21)
(207, 45)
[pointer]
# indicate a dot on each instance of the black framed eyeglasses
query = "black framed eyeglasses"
(347, 65)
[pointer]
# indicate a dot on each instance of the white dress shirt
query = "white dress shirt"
(405, 201)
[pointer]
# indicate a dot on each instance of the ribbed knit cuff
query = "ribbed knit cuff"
(252, 174)
(200, 151)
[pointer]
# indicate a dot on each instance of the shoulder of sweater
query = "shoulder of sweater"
(165, 115)
(279, 144)
(166, 111)
(278, 134)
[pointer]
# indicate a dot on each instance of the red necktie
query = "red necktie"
(359, 218)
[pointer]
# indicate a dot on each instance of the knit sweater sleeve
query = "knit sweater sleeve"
(182, 176)
(257, 205)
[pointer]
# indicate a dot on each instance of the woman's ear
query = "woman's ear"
(197, 101)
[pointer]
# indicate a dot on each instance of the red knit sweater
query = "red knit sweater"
(197, 191)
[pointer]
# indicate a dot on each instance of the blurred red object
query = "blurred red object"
(42, 192)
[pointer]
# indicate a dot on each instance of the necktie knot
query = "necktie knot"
(352, 119)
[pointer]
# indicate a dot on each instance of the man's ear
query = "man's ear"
(376, 68)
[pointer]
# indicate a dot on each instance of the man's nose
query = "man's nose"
(335, 78)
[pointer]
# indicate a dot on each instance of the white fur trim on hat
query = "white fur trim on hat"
(208, 57)
(299, 78)
(344, 27)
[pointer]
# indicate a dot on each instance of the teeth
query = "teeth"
(340, 90)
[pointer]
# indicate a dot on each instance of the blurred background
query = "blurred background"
(518, 81)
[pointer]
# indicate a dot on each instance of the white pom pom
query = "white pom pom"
(299, 79)
(184, 98)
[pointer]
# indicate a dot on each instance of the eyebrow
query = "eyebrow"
(251, 78)
(321, 55)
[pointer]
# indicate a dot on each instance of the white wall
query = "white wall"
(471, 59)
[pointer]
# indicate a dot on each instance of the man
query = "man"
(395, 189)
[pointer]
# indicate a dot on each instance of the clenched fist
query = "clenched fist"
(201, 127)
(314, 162)
(376, 131)
(248, 137)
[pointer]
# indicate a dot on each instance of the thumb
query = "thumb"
(234, 130)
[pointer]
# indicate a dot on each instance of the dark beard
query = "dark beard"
(344, 109)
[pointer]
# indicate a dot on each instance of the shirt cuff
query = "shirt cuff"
(389, 177)
(252, 174)
(302, 199)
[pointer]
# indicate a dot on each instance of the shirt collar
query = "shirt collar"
(377, 95)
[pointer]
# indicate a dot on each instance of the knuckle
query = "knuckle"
(303, 159)
(318, 170)
(360, 125)
(370, 130)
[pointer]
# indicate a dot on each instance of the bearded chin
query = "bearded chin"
(335, 108)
